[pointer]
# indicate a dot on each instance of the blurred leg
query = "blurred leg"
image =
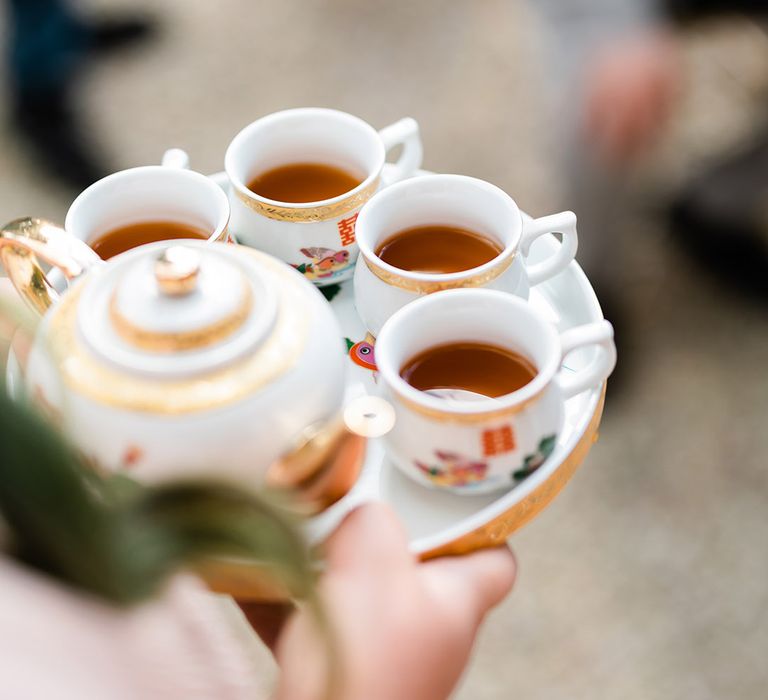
(48, 45)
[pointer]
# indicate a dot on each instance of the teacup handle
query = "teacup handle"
(563, 223)
(23, 240)
(600, 334)
(405, 132)
(222, 180)
(175, 158)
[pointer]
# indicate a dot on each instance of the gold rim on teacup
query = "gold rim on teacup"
(303, 212)
(123, 180)
(509, 236)
(222, 236)
(323, 211)
(425, 283)
(454, 416)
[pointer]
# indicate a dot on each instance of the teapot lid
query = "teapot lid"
(174, 309)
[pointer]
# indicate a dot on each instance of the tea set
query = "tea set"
(222, 356)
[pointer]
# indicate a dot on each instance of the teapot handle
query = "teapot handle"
(23, 240)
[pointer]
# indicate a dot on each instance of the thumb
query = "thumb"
(371, 538)
(480, 580)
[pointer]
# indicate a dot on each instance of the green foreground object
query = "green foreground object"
(118, 539)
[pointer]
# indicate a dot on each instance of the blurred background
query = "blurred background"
(648, 577)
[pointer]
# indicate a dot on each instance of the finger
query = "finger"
(626, 130)
(609, 138)
(606, 118)
(648, 109)
(371, 537)
(666, 90)
(267, 619)
(638, 124)
(481, 580)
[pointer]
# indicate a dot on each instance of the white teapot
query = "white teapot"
(178, 358)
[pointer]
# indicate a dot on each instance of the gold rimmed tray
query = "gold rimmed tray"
(439, 522)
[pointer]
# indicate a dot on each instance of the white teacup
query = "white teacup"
(167, 192)
(453, 200)
(479, 444)
(317, 238)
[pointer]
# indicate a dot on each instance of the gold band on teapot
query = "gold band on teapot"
(178, 341)
(107, 385)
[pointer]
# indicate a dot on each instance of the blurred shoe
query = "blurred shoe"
(51, 129)
(691, 10)
(113, 34)
(721, 220)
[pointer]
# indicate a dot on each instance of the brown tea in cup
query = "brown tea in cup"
(480, 368)
(124, 238)
(303, 182)
(438, 249)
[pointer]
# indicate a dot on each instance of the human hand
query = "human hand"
(404, 629)
(631, 87)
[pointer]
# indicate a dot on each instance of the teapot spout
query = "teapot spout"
(322, 467)
(326, 461)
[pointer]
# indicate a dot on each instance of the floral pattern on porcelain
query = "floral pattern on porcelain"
(324, 263)
(454, 470)
(533, 461)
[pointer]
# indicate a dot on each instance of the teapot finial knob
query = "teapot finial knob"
(176, 270)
